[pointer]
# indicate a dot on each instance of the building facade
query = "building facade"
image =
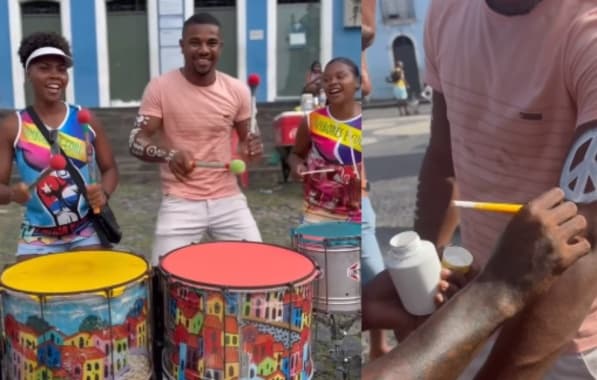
(118, 45)
(399, 37)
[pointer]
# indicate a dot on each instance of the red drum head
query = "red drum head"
(241, 265)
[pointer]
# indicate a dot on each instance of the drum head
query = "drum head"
(240, 265)
(74, 272)
(336, 233)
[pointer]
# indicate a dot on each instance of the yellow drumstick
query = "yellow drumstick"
(507, 208)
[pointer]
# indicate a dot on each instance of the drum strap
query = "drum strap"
(54, 144)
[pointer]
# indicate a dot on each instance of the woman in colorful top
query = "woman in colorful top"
(56, 212)
(327, 152)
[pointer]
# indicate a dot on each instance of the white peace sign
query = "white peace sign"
(574, 180)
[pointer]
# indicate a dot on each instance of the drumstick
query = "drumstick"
(506, 208)
(84, 117)
(235, 166)
(253, 81)
(318, 171)
(57, 162)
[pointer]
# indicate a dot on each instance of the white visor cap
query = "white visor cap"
(48, 50)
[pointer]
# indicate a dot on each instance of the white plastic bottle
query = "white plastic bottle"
(415, 269)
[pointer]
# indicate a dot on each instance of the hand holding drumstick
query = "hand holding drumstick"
(300, 171)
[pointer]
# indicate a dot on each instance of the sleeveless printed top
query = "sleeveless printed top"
(335, 144)
(57, 210)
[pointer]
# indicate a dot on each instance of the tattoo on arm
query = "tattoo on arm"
(579, 175)
(142, 146)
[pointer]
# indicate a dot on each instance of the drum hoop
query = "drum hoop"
(244, 289)
(315, 272)
(297, 231)
(139, 278)
(326, 243)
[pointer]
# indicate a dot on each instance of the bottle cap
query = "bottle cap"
(458, 259)
(405, 241)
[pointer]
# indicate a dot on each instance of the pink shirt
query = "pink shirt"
(200, 120)
(516, 88)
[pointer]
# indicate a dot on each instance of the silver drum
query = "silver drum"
(336, 248)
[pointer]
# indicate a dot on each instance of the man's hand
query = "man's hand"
(451, 282)
(540, 242)
(181, 165)
(252, 148)
(382, 308)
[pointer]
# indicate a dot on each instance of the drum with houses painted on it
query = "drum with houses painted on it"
(77, 315)
(237, 310)
(336, 248)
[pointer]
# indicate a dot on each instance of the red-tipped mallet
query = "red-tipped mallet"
(84, 116)
(57, 162)
(253, 81)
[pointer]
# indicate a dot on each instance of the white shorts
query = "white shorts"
(181, 222)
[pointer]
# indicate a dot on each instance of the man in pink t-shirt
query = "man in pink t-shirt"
(515, 84)
(192, 112)
(187, 117)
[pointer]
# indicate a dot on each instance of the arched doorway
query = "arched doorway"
(225, 12)
(128, 50)
(404, 50)
(39, 16)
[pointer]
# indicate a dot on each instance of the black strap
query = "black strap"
(74, 173)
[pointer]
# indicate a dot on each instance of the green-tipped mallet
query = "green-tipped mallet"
(235, 166)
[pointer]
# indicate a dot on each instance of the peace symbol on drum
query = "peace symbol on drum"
(579, 176)
(354, 271)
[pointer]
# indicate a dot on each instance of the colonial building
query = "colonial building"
(399, 37)
(118, 45)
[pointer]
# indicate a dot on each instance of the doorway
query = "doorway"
(404, 50)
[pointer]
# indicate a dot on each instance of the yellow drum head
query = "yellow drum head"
(74, 272)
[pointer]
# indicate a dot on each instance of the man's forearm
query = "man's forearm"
(441, 348)
(144, 148)
(529, 344)
(435, 218)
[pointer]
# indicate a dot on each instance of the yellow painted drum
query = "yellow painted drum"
(77, 315)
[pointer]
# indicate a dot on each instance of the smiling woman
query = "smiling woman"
(57, 211)
(327, 152)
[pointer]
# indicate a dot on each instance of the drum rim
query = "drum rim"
(325, 245)
(306, 279)
(327, 223)
(138, 278)
(307, 238)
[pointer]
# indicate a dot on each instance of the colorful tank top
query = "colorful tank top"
(57, 211)
(336, 144)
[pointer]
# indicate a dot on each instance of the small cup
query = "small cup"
(457, 259)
